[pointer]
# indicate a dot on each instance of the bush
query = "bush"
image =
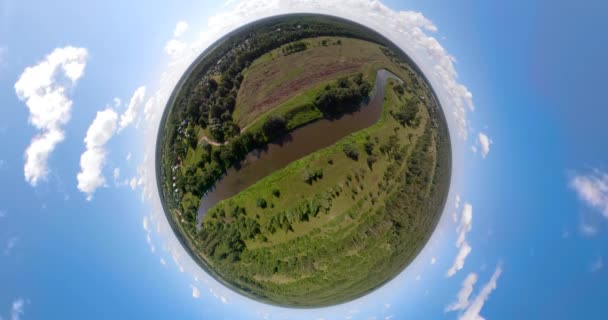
(369, 147)
(276, 192)
(312, 176)
(261, 202)
(371, 160)
(351, 151)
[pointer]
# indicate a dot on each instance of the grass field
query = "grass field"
(296, 78)
(319, 259)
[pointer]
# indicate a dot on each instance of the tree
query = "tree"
(275, 126)
(276, 192)
(261, 202)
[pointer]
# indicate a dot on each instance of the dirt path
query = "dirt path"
(217, 144)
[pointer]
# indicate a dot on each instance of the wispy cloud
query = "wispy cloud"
(597, 264)
(464, 294)
(17, 309)
(592, 189)
(464, 249)
(11, 243)
(44, 88)
(472, 312)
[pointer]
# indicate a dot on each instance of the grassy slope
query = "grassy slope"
(340, 273)
(296, 78)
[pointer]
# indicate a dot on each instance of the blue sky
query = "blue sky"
(530, 226)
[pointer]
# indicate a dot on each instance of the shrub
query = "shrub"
(351, 151)
(261, 202)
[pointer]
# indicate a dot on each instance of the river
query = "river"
(297, 144)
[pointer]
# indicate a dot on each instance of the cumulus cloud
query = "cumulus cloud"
(464, 249)
(180, 28)
(472, 312)
(133, 108)
(485, 143)
(464, 294)
(592, 189)
(92, 160)
(44, 88)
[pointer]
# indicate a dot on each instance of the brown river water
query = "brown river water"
(297, 144)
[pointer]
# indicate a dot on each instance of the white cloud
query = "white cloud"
(17, 309)
(597, 264)
(117, 102)
(44, 87)
(10, 244)
(464, 227)
(466, 223)
(433, 260)
(116, 174)
(92, 160)
(133, 109)
(592, 189)
(174, 47)
(196, 293)
(474, 309)
(485, 143)
(146, 224)
(458, 264)
(464, 294)
(180, 28)
(588, 229)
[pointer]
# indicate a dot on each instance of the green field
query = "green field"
(335, 224)
(325, 59)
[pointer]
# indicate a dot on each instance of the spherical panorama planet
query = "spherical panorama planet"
(303, 160)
